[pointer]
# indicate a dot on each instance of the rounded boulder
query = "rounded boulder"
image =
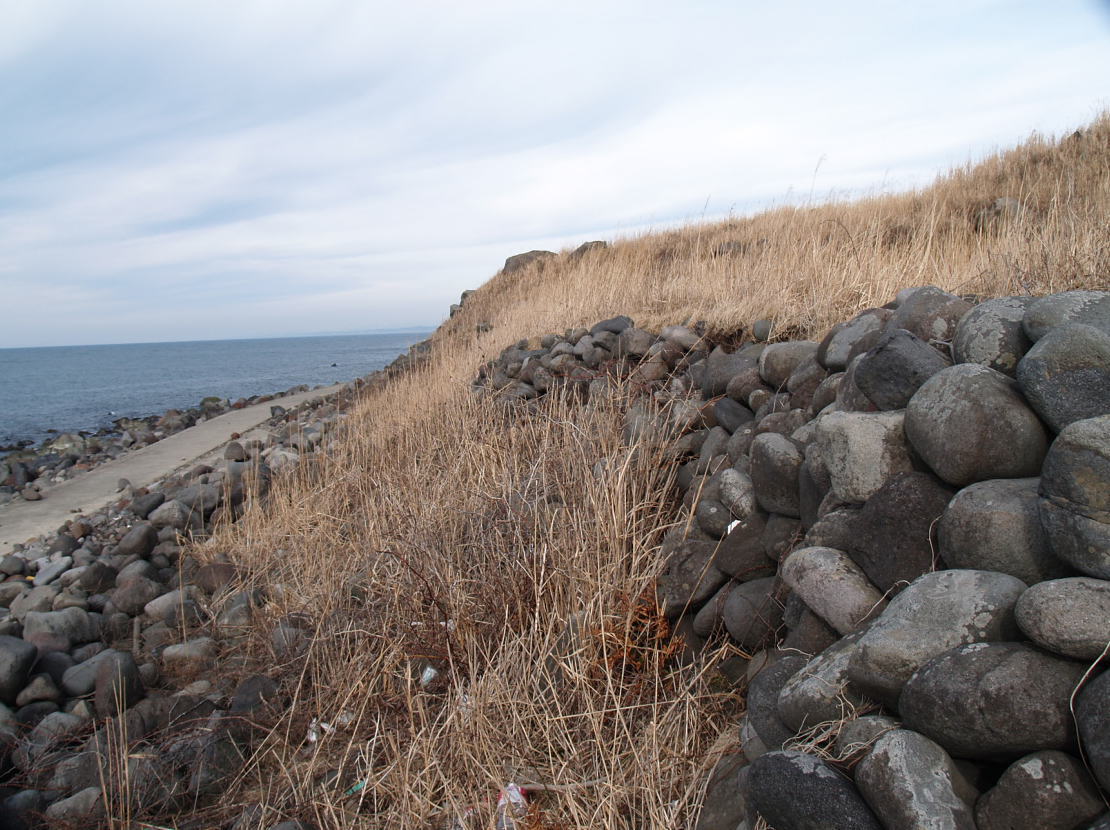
(1066, 375)
(969, 423)
(993, 701)
(991, 334)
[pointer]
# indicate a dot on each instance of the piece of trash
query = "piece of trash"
(731, 525)
(428, 677)
(317, 729)
(512, 805)
(356, 788)
(345, 718)
(460, 822)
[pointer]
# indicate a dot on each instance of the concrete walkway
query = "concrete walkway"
(86, 493)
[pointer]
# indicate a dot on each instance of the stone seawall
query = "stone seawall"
(905, 530)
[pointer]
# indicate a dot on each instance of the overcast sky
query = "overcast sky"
(193, 170)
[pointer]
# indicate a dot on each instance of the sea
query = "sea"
(75, 388)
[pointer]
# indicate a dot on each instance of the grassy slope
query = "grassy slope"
(435, 506)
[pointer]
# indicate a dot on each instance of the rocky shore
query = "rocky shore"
(110, 631)
(28, 471)
(903, 530)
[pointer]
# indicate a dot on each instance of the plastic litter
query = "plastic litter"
(512, 806)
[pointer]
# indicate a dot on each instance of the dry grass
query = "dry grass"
(445, 530)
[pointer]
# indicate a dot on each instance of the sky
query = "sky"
(194, 170)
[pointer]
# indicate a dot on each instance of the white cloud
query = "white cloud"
(207, 169)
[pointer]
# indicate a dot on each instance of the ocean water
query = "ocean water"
(71, 388)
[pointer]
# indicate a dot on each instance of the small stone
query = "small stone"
(59, 630)
(235, 451)
(118, 685)
(134, 593)
(190, 657)
(751, 613)
(41, 687)
(215, 576)
(821, 693)
(138, 541)
(857, 736)
(85, 806)
(839, 345)
(763, 698)
(761, 330)
(16, 659)
(731, 415)
(80, 679)
(689, 578)
(725, 804)
(52, 570)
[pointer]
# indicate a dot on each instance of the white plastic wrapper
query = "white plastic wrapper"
(511, 807)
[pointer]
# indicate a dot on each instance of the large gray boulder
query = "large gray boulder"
(991, 334)
(1092, 714)
(138, 541)
(996, 526)
(725, 804)
(60, 630)
(849, 397)
(689, 578)
(862, 451)
(841, 343)
(722, 366)
(911, 782)
(775, 465)
(779, 360)
(16, 658)
(929, 313)
(935, 613)
(1091, 308)
(821, 692)
(892, 534)
(797, 791)
(993, 701)
(763, 699)
(1066, 375)
(1075, 500)
(969, 423)
(1067, 616)
(1044, 789)
(833, 586)
(751, 613)
(896, 367)
(741, 553)
(518, 262)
